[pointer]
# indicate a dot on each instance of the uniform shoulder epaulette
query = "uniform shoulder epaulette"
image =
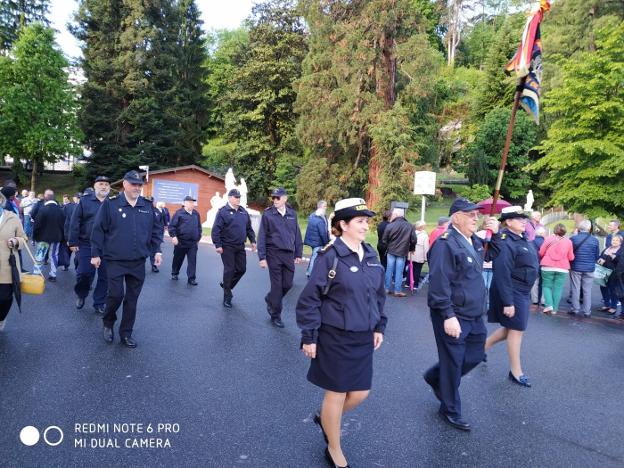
(149, 199)
(503, 236)
(444, 235)
(112, 197)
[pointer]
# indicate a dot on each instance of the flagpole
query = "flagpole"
(510, 127)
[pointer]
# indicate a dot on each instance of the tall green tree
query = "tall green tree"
(15, 14)
(37, 103)
(358, 66)
(583, 163)
(483, 155)
(257, 106)
(143, 61)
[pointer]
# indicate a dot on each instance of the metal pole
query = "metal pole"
(422, 208)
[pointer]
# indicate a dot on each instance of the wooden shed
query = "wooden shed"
(172, 185)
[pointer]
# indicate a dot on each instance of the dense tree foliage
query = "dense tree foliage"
(15, 14)
(144, 101)
(583, 162)
(37, 103)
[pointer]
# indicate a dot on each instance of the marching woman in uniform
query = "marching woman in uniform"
(340, 313)
(515, 271)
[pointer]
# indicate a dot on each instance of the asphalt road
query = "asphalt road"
(236, 387)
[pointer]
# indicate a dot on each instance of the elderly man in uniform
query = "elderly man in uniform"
(125, 232)
(279, 248)
(231, 227)
(457, 298)
(185, 230)
(79, 241)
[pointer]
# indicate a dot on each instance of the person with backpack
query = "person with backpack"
(340, 314)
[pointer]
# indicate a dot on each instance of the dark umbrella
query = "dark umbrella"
(485, 206)
(17, 289)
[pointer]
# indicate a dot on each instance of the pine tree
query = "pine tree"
(16, 14)
(144, 99)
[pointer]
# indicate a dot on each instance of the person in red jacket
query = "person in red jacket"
(443, 223)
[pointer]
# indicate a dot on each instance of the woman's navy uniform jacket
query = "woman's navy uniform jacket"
(81, 222)
(356, 296)
(515, 266)
(279, 232)
(456, 286)
(123, 232)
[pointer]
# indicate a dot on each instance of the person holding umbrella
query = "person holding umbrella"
(12, 236)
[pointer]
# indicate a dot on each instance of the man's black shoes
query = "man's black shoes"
(174, 277)
(277, 322)
(227, 302)
(80, 303)
(456, 422)
(99, 310)
(128, 342)
(192, 282)
(155, 269)
(108, 334)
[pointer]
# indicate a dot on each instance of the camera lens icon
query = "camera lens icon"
(53, 436)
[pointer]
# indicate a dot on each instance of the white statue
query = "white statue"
(216, 203)
(530, 201)
(242, 188)
(230, 181)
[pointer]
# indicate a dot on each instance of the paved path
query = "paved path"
(236, 386)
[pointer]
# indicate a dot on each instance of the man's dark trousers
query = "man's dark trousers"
(234, 260)
(132, 273)
(85, 274)
(190, 252)
(457, 357)
(281, 265)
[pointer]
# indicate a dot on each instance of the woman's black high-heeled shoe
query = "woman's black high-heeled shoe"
(317, 420)
(330, 460)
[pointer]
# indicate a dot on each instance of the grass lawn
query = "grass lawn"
(60, 183)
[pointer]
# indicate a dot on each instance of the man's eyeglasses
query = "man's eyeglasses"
(471, 214)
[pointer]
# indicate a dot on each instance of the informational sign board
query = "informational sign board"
(424, 183)
(171, 191)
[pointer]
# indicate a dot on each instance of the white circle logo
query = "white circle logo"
(29, 435)
(45, 436)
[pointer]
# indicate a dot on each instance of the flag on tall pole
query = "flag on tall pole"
(527, 62)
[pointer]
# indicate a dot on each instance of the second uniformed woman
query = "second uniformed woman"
(515, 271)
(340, 313)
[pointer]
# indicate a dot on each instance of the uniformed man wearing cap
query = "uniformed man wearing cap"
(125, 232)
(231, 227)
(280, 247)
(185, 230)
(457, 298)
(79, 241)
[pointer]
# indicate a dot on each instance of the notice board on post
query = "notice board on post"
(172, 191)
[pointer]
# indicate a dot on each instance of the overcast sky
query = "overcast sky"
(217, 14)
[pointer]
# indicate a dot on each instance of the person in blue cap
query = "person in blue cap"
(185, 230)
(231, 227)
(456, 299)
(515, 271)
(79, 241)
(340, 313)
(280, 247)
(125, 232)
